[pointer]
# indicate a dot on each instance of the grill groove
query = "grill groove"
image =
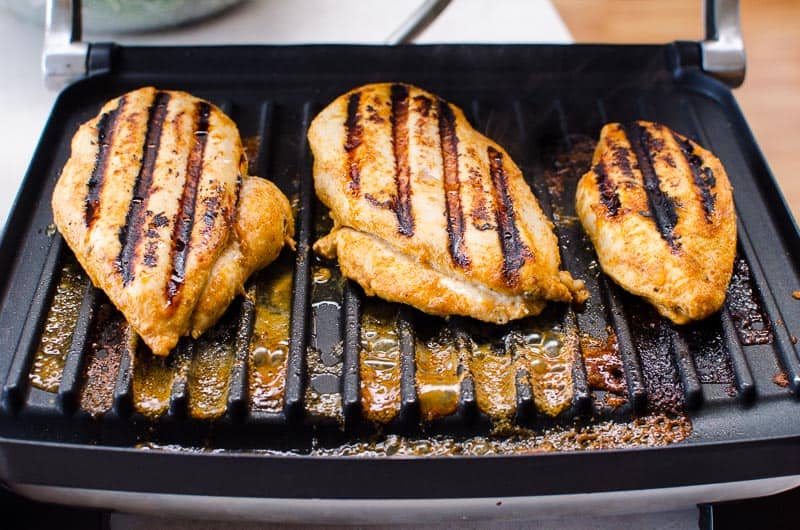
(123, 389)
(69, 389)
(18, 373)
(237, 391)
(295, 368)
(692, 389)
(745, 385)
(351, 395)
(787, 354)
(409, 400)
(179, 393)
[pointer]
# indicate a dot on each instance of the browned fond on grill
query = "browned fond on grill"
(149, 201)
(428, 211)
(659, 210)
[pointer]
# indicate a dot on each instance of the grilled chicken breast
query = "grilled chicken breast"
(429, 212)
(152, 202)
(659, 211)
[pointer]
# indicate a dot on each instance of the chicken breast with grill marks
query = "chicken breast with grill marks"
(429, 212)
(659, 210)
(153, 200)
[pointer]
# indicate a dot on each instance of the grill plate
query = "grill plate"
(536, 101)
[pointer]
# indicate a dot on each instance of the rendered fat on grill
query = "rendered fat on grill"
(429, 212)
(659, 211)
(48, 362)
(155, 203)
(269, 345)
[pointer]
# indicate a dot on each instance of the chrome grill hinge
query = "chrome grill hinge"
(722, 51)
(65, 56)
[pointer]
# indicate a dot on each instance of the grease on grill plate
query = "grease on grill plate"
(323, 399)
(438, 376)
(154, 377)
(269, 346)
(603, 363)
(648, 431)
(111, 337)
(746, 310)
(379, 361)
(210, 371)
(492, 371)
(547, 355)
(711, 356)
(650, 335)
(540, 352)
(48, 362)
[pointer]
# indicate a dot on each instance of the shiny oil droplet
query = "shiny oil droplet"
(322, 275)
(379, 362)
(552, 348)
(48, 362)
(269, 346)
(538, 366)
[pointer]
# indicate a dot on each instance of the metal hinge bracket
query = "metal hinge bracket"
(722, 52)
(65, 56)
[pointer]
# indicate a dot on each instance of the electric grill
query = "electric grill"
(737, 375)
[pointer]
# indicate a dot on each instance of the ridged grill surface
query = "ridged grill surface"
(307, 350)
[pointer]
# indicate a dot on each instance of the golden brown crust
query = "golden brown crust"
(398, 163)
(673, 245)
(382, 271)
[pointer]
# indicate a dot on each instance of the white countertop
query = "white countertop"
(26, 103)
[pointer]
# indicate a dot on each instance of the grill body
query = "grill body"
(536, 101)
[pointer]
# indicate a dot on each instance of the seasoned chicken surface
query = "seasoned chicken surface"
(429, 212)
(153, 204)
(263, 224)
(659, 210)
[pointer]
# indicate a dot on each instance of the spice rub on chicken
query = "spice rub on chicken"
(154, 203)
(429, 212)
(659, 211)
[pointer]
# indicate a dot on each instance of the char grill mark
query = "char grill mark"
(106, 128)
(182, 230)
(661, 205)
(424, 105)
(703, 177)
(505, 218)
(622, 162)
(480, 214)
(608, 191)
(353, 140)
(388, 204)
(130, 234)
(239, 177)
(452, 185)
(400, 139)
